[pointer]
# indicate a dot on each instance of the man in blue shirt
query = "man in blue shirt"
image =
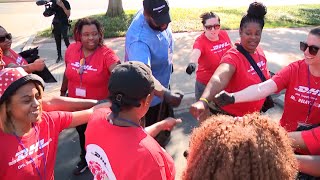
(149, 40)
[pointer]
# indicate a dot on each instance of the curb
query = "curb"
(27, 45)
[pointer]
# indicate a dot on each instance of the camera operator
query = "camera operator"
(60, 24)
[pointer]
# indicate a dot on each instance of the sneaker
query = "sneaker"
(80, 168)
(59, 59)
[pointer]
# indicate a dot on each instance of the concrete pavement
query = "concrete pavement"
(281, 48)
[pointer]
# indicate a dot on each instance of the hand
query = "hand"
(169, 123)
(224, 98)
(197, 109)
(173, 97)
(191, 68)
(38, 65)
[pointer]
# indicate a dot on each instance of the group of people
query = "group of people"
(124, 137)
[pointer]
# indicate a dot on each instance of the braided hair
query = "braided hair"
(254, 147)
(255, 13)
(87, 21)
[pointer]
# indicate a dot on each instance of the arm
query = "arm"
(297, 140)
(217, 83)
(66, 11)
(59, 103)
(82, 117)
(194, 56)
(256, 92)
(37, 65)
(166, 124)
(64, 85)
(309, 164)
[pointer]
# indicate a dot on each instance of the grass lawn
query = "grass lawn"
(187, 19)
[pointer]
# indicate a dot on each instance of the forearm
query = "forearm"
(80, 117)
(64, 85)
(255, 92)
(297, 140)
(214, 86)
(154, 129)
(60, 103)
(309, 164)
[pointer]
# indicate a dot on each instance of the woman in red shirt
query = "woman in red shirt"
(235, 72)
(208, 50)
(88, 66)
(12, 59)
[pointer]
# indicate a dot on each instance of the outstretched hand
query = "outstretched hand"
(169, 123)
(191, 68)
(173, 98)
(224, 98)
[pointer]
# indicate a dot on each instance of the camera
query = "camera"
(48, 4)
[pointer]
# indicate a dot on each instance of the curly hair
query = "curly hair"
(253, 147)
(255, 13)
(87, 21)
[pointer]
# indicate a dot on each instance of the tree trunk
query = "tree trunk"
(114, 8)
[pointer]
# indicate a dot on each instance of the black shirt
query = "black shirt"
(60, 16)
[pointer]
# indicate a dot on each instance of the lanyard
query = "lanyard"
(310, 103)
(31, 159)
(83, 62)
(123, 120)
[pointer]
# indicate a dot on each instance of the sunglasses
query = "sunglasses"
(215, 26)
(313, 50)
(7, 36)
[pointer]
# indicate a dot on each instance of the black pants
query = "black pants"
(81, 129)
(59, 30)
(156, 114)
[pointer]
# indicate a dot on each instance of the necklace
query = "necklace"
(29, 156)
(112, 120)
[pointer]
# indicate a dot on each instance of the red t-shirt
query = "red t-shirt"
(16, 59)
(243, 77)
(15, 164)
(123, 153)
(300, 95)
(96, 73)
(311, 139)
(211, 53)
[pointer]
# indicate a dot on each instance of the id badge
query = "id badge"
(81, 92)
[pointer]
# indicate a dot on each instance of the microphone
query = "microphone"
(42, 2)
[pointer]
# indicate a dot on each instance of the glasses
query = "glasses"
(215, 26)
(313, 50)
(7, 36)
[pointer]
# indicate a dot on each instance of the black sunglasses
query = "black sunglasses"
(215, 26)
(313, 50)
(7, 36)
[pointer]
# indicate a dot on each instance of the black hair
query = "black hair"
(315, 31)
(87, 21)
(120, 102)
(255, 13)
(207, 15)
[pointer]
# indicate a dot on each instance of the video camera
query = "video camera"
(48, 4)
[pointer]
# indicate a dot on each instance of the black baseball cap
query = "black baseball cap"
(130, 82)
(159, 10)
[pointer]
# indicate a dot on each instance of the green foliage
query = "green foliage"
(187, 19)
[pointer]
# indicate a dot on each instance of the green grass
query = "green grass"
(185, 20)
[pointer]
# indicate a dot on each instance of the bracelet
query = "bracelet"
(204, 100)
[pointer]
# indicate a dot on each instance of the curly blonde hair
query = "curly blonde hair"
(253, 147)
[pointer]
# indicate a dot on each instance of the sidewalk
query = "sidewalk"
(281, 48)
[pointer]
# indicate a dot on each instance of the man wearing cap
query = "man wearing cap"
(149, 40)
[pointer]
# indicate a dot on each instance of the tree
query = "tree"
(114, 8)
